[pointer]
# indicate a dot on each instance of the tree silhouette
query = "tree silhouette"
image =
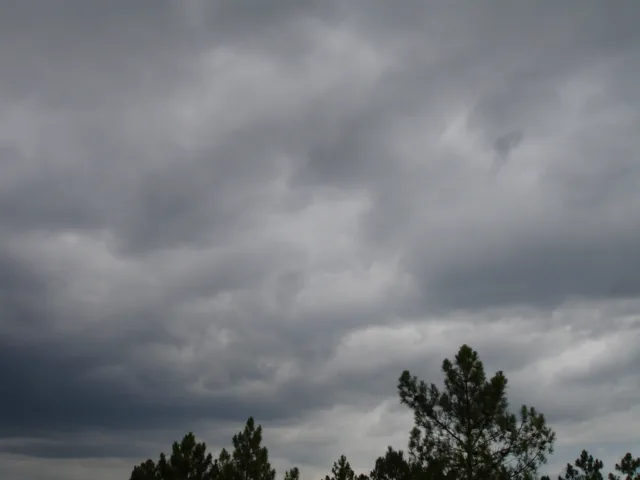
(393, 466)
(584, 468)
(629, 467)
(188, 460)
(292, 474)
(463, 432)
(250, 459)
(341, 470)
(466, 430)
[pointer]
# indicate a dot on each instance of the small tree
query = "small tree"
(466, 430)
(586, 467)
(629, 467)
(341, 470)
(146, 471)
(249, 458)
(223, 466)
(188, 460)
(393, 466)
(292, 474)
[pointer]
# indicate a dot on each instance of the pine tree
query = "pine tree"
(223, 466)
(146, 471)
(585, 468)
(292, 474)
(341, 470)
(188, 460)
(629, 467)
(393, 466)
(466, 431)
(249, 458)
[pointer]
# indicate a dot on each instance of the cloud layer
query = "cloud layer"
(210, 210)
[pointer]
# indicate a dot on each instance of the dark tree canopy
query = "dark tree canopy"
(466, 430)
(629, 467)
(189, 461)
(586, 467)
(341, 470)
(393, 466)
(251, 460)
(292, 474)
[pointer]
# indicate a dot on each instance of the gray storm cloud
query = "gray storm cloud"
(210, 210)
(503, 146)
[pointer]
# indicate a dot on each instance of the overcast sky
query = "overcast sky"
(216, 209)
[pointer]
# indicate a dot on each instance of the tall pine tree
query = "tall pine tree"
(189, 460)
(341, 470)
(250, 459)
(466, 430)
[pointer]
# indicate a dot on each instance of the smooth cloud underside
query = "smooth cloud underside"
(210, 210)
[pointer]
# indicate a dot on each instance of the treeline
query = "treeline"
(464, 431)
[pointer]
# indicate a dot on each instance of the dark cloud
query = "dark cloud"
(556, 268)
(210, 210)
(503, 147)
